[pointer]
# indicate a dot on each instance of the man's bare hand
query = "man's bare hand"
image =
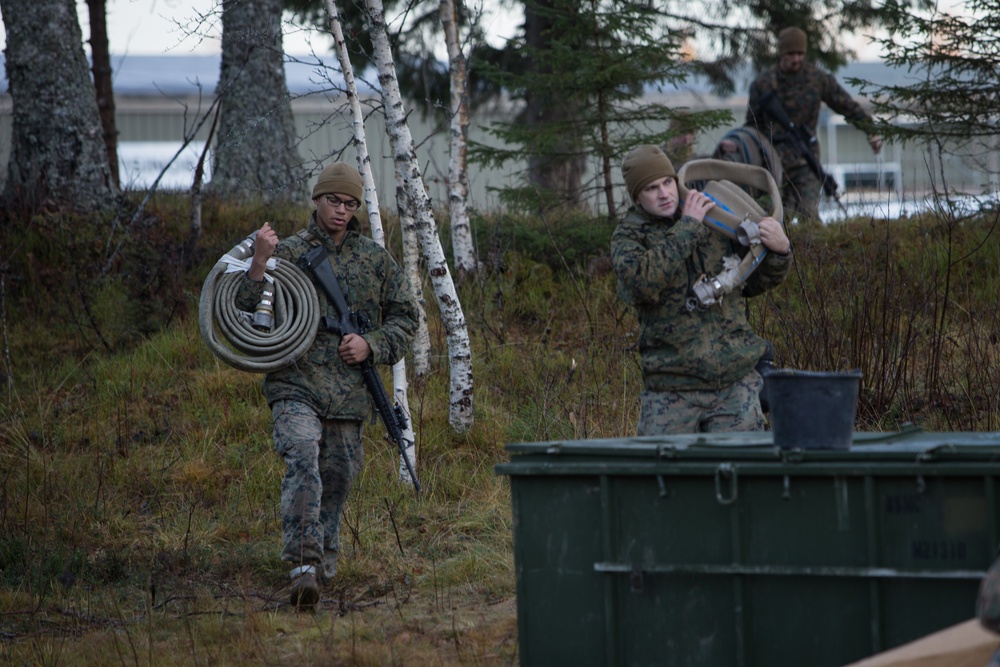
(697, 204)
(354, 349)
(773, 236)
(263, 248)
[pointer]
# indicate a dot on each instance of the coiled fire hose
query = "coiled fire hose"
(277, 333)
(735, 215)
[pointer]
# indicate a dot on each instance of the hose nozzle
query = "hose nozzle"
(263, 314)
(244, 248)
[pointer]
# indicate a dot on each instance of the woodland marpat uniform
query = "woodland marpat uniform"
(801, 88)
(319, 403)
(372, 282)
(657, 260)
(697, 362)
(801, 94)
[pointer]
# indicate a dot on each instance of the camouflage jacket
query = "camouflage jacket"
(801, 94)
(656, 261)
(372, 282)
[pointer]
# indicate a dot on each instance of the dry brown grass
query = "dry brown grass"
(139, 490)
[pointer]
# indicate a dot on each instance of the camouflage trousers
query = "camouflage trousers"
(322, 458)
(800, 195)
(733, 408)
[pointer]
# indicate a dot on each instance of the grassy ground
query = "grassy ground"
(139, 491)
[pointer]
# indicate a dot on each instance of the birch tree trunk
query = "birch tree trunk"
(411, 265)
(462, 247)
(461, 411)
(399, 382)
(57, 149)
(255, 152)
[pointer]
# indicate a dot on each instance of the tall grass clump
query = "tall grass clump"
(912, 303)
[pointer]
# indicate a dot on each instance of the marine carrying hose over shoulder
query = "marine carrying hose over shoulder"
(243, 341)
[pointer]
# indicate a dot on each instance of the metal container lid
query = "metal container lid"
(907, 447)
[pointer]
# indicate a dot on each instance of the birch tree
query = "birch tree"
(461, 411)
(399, 382)
(462, 247)
(411, 265)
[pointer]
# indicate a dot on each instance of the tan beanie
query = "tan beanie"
(791, 40)
(339, 178)
(643, 165)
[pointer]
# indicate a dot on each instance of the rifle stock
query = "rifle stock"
(348, 322)
(802, 140)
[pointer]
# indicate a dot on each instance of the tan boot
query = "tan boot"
(305, 591)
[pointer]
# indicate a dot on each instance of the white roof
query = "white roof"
(182, 74)
(177, 75)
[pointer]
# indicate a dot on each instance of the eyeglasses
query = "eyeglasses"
(349, 204)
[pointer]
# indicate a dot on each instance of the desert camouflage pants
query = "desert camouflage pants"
(734, 408)
(322, 458)
(800, 195)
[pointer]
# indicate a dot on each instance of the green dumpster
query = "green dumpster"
(724, 550)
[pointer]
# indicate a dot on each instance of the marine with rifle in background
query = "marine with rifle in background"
(783, 104)
(320, 402)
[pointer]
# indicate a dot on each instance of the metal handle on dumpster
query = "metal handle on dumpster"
(728, 470)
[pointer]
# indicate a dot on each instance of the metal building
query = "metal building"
(160, 99)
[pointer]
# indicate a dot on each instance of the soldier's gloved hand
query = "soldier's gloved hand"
(875, 141)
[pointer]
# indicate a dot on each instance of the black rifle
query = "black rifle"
(348, 322)
(802, 140)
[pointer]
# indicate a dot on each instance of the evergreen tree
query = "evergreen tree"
(951, 91)
(584, 71)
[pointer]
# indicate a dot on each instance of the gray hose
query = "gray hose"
(228, 331)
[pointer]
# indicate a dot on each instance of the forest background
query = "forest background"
(138, 504)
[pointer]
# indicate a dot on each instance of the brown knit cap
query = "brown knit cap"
(643, 165)
(339, 178)
(791, 40)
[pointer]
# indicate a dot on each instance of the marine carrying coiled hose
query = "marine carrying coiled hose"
(230, 333)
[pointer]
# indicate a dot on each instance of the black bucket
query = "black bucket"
(812, 409)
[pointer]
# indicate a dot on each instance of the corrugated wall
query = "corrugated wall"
(324, 131)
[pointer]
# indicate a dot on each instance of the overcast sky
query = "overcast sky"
(155, 27)
(166, 26)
